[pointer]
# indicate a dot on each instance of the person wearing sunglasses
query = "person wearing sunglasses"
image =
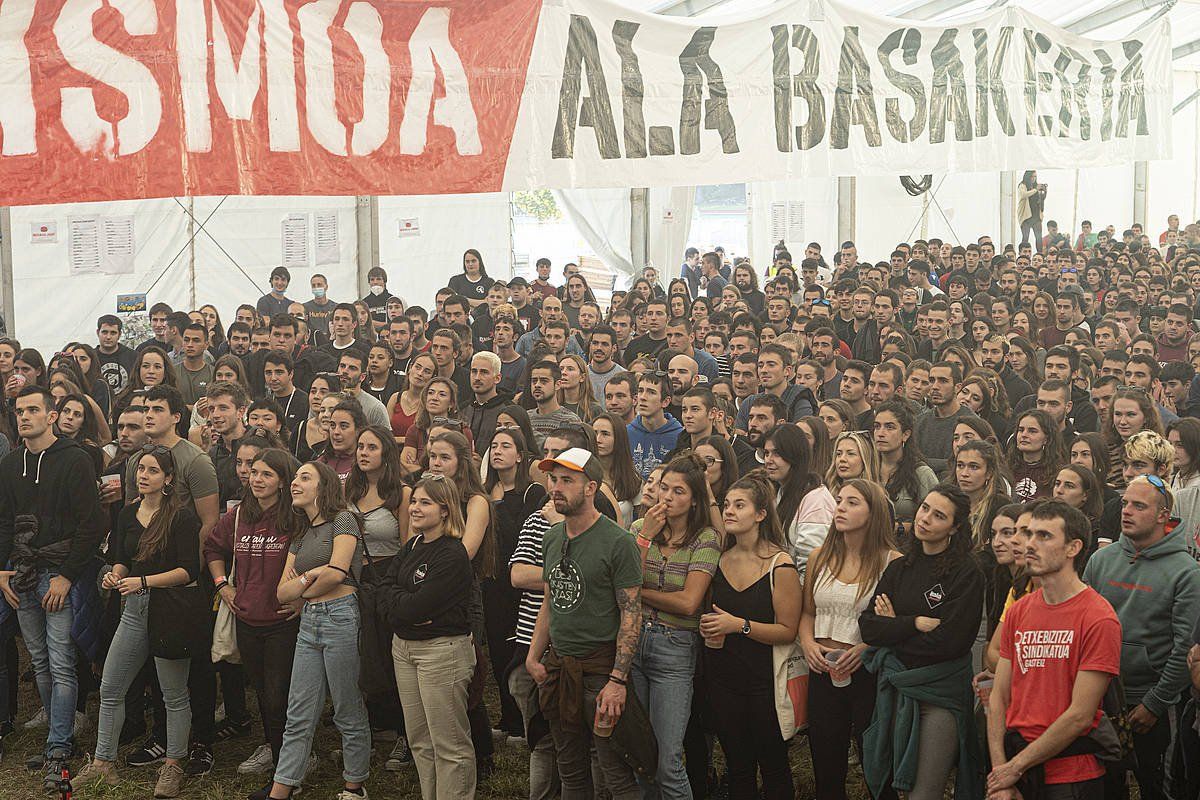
(1153, 583)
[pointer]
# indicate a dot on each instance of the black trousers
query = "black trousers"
(1151, 751)
(835, 715)
(267, 652)
(748, 730)
(500, 620)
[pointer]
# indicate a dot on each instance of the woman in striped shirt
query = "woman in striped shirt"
(681, 554)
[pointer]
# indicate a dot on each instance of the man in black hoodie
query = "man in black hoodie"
(484, 410)
(50, 526)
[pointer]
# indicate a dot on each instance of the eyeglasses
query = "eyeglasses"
(432, 476)
(1068, 270)
(710, 460)
(155, 449)
(449, 422)
(564, 557)
(507, 428)
(821, 302)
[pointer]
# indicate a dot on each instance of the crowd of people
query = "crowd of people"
(936, 514)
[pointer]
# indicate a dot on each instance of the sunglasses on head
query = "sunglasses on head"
(448, 422)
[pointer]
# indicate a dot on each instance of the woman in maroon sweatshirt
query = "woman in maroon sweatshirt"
(255, 537)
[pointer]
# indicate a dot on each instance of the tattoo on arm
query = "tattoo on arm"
(630, 603)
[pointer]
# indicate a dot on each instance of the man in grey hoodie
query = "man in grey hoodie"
(1154, 586)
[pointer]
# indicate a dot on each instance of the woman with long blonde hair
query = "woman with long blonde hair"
(575, 388)
(854, 456)
(843, 573)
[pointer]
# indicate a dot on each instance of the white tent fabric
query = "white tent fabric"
(669, 232)
(604, 219)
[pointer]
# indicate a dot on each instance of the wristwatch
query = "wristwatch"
(745, 627)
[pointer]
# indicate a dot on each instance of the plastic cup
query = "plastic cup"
(984, 688)
(833, 656)
(109, 481)
(603, 725)
(230, 505)
(714, 642)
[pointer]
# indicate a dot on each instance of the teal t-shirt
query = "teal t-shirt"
(583, 603)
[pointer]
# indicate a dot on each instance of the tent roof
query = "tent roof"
(1184, 14)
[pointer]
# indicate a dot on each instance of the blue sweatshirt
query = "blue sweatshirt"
(650, 447)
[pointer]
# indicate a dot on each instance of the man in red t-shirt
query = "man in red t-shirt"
(1059, 647)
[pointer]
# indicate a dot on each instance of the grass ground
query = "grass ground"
(224, 783)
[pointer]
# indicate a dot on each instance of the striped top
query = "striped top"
(668, 574)
(529, 551)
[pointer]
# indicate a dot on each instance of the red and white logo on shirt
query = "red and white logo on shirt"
(1034, 649)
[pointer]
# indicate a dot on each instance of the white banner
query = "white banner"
(614, 97)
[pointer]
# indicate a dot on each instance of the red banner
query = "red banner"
(105, 99)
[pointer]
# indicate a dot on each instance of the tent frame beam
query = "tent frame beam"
(1114, 14)
(6, 270)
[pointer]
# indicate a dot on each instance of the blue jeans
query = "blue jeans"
(326, 651)
(662, 674)
(52, 651)
(128, 652)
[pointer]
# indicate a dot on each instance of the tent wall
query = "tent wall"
(54, 307)
(418, 266)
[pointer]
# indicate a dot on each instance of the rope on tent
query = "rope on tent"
(170, 264)
(232, 260)
(924, 187)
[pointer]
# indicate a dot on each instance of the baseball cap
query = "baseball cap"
(518, 281)
(578, 460)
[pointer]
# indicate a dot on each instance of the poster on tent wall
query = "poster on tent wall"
(153, 98)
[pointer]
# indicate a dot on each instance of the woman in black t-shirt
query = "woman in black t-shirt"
(153, 548)
(473, 282)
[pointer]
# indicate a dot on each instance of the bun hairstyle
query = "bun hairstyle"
(761, 491)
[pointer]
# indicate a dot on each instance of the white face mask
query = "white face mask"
(377, 290)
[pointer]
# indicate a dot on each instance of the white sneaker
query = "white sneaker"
(39, 720)
(259, 761)
(219, 714)
(82, 725)
(346, 794)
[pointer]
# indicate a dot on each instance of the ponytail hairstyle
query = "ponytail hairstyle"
(692, 470)
(961, 543)
(761, 491)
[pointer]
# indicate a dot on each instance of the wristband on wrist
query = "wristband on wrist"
(222, 583)
(618, 680)
(304, 578)
(145, 586)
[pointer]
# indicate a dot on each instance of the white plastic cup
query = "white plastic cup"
(833, 656)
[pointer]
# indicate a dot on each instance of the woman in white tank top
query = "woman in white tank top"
(842, 574)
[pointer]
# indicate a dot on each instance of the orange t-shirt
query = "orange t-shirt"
(1048, 646)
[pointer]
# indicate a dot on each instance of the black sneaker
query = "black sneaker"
(484, 769)
(53, 773)
(228, 729)
(262, 793)
(200, 760)
(151, 752)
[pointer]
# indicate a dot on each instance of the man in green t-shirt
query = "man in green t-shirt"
(589, 622)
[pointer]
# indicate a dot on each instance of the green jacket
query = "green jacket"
(891, 741)
(1156, 594)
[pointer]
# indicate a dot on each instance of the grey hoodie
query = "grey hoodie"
(1156, 594)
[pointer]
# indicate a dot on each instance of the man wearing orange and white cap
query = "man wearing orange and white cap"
(588, 625)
